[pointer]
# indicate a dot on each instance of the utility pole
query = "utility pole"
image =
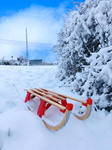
(27, 46)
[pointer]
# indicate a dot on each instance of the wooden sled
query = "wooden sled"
(48, 98)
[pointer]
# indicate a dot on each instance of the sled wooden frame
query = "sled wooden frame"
(52, 98)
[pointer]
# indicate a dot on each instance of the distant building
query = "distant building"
(35, 62)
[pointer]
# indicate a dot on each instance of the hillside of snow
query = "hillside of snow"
(21, 129)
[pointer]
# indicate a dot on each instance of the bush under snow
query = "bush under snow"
(84, 52)
(96, 80)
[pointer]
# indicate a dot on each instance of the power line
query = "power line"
(23, 43)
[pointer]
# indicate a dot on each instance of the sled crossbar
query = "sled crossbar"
(48, 98)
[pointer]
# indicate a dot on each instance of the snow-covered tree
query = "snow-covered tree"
(22, 60)
(87, 32)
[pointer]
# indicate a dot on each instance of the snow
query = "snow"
(21, 129)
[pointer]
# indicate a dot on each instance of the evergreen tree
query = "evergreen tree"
(85, 33)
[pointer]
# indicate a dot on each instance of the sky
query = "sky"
(43, 20)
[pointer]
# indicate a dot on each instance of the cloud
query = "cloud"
(42, 23)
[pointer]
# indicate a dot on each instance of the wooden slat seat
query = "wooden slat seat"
(55, 95)
(46, 95)
(49, 91)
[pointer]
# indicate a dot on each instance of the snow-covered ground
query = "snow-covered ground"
(21, 129)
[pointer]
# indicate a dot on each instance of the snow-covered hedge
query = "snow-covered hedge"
(96, 79)
(84, 51)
